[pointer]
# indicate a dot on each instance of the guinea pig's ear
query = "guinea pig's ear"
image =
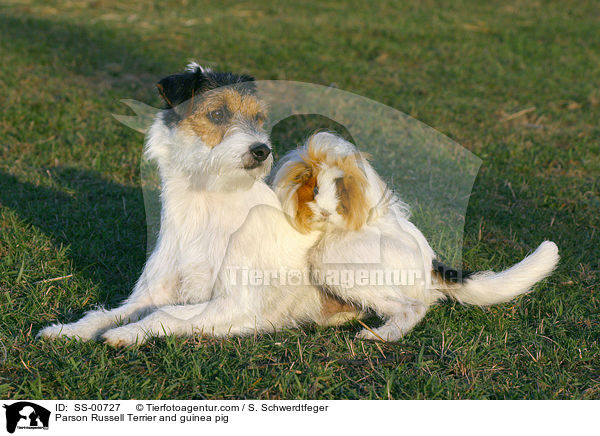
(178, 88)
(352, 201)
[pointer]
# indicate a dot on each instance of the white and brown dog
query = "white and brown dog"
(218, 218)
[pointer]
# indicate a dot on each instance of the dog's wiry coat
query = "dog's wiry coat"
(217, 217)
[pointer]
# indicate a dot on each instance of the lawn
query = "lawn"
(515, 82)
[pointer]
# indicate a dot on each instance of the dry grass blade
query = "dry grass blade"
(53, 279)
(371, 330)
(517, 114)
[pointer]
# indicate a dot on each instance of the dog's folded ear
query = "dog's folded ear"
(178, 88)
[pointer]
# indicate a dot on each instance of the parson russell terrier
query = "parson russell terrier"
(218, 216)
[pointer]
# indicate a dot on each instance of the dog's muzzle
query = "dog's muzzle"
(257, 154)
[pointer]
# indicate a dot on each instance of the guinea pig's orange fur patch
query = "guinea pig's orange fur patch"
(304, 195)
(302, 175)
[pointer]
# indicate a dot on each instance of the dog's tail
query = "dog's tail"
(487, 287)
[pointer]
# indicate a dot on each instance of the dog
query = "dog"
(219, 219)
(330, 187)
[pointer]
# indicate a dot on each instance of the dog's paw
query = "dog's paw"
(369, 335)
(384, 334)
(124, 336)
(65, 331)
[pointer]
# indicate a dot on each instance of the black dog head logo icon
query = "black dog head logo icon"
(29, 414)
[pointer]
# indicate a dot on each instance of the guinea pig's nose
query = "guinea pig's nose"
(260, 151)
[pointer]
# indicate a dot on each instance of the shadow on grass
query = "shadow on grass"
(101, 221)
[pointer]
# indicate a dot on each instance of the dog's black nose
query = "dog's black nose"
(260, 151)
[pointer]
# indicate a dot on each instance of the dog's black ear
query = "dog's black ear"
(177, 88)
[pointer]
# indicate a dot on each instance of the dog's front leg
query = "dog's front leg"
(219, 317)
(155, 287)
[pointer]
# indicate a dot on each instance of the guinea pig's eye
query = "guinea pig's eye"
(216, 116)
(316, 191)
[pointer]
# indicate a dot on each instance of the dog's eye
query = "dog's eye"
(316, 191)
(216, 116)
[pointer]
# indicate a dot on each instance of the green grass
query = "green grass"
(71, 203)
